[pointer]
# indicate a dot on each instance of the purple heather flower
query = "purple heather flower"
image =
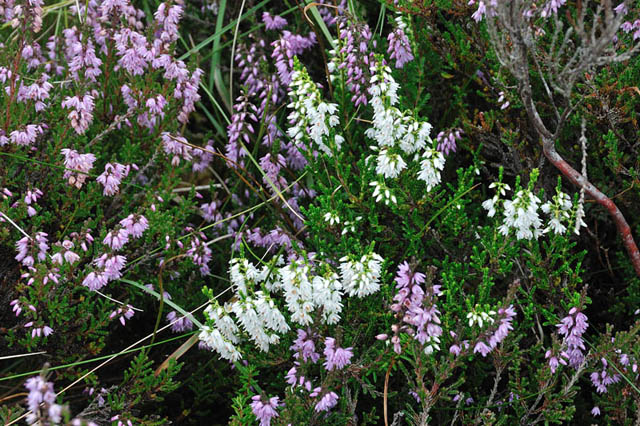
(354, 47)
(285, 48)
(273, 22)
(265, 411)
(482, 348)
(305, 346)
(202, 158)
(180, 323)
(117, 238)
(41, 402)
(123, 313)
(81, 114)
(200, 254)
(65, 254)
(327, 402)
(26, 135)
(601, 380)
(112, 177)
(447, 141)
(135, 225)
(572, 327)
(209, 211)
(595, 411)
(176, 145)
(80, 164)
(399, 47)
(337, 358)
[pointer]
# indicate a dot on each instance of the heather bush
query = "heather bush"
(335, 213)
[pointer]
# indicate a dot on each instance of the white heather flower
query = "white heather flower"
(490, 205)
(311, 118)
(270, 314)
(382, 192)
(389, 164)
(361, 278)
(331, 218)
(223, 322)
(327, 293)
(521, 214)
(480, 317)
(558, 208)
(579, 218)
(213, 339)
(298, 291)
(430, 166)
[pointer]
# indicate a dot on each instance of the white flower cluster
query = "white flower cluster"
(558, 208)
(480, 318)
(361, 278)
(258, 317)
(430, 166)
(382, 192)
(521, 213)
(398, 133)
(311, 118)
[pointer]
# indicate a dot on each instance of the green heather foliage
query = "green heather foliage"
(318, 213)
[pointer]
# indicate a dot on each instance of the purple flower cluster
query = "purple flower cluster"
(417, 310)
(265, 410)
(336, 357)
(81, 114)
(572, 327)
(305, 347)
(327, 401)
(123, 313)
(495, 335)
(112, 177)
(176, 146)
(354, 40)
(80, 164)
(41, 402)
(200, 253)
(179, 323)
(284, 50)
(273, 22)
(447, 141)
(240, 128)
(601, 380)
(32, 198)
(399, 47)
(31, 248)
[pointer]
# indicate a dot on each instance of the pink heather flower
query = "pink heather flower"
(80, 164)
(285, 48)
(32, 196)
(482, 348)
(337, 358)
(209, 211)
(447, 141)
(200, 254)
(41, 402)
(327, 402)
(27, 135)
(187, 90)
(27, 246)
(112, 177)
(176, 145)
(38, 92)
(135, 225)
(133, 49)
(65, 253)
(123, 313)
(572, 327)
(117, 238)
(95, 281)
(264, 411)
(81, 115)
(273, 22)
(202, 158)
(601, 380)
(399, 47)
(111, 264)
(552, 6)
(180, 323)
(305, 346)
(595, 411)
(355, 39)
